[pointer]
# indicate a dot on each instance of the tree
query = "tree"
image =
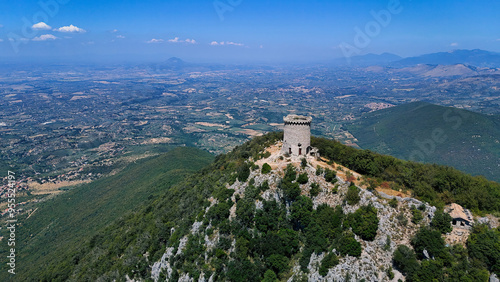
(278, 263)
(330, 176)
(266, 168)
(291, 190)
(314, 189)
(270, 276)
(429, 240)
(243, 172)
(328, 262)
(290, 173)
(364, 222)
(302, 179)
(347, 245)
(352, 196)
(404, 260)
(301, 212)
(484, 245)
(442, 222)
(245, 209)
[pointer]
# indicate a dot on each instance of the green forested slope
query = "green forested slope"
(430, 133)
(270, 240)
(60, 225)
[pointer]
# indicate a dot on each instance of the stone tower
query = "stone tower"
(297, 135)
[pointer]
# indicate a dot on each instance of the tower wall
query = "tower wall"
(297, 135)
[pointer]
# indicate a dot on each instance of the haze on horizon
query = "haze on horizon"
(241, 30)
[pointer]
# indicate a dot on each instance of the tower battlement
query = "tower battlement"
(296, 119)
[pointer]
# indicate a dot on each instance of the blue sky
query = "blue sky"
(242, 30)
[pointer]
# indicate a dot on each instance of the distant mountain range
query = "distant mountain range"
(430, 133)
(476, 57)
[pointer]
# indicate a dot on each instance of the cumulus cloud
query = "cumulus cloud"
(70, 28)
(44, 37)
(114, 30)
(178, 40)
(41, 26)
(175, 40)
(222, 43)
(454, 44)
(120, 36)
(154, 40)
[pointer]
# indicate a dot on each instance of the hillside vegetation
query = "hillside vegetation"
(429, 133)
(432, 183)
(239, 220)
(58, 228)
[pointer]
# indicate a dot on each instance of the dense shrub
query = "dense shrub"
(243, 172)
(314, 189)
(442, 222)
(393, 203)
(302, 179)
(484, 245)
(430, 240)
(417, 215)
(364, 222)
(352, 196)
(328, 262)
(291, 190)
(347, 245)
(301, 212)
(330, 176)
(290, 173)
(266, 168)
(319, 170)
(405, 260)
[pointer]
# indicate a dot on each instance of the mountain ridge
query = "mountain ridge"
(237, 221)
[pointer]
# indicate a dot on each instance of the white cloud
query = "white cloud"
(154, 40)
(454, 44)
(261, 46)
(175, 40)
(498, 39)
(41, 26)
(234, 43)
(222, 43)
(45, 37)
(114, 30)
(1, 40)
(70, 28)
(120, 36)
